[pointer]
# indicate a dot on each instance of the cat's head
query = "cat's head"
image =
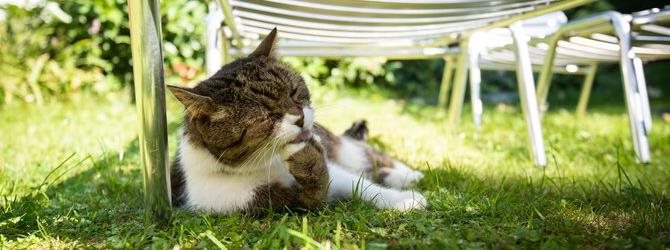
(250, 109)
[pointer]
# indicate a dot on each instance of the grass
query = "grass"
(69, 178)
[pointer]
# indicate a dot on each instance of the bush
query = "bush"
(35, 64)
(413, 78)
(59, 49)
(89, 50)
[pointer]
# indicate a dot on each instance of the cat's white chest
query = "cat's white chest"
(210, 189)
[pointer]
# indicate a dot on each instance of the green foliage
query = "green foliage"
(414, 78)
(49, 54)
(183, 29)
(589, 9)
(354, 72)
(85, 45)
(35, 63)
(419, 79)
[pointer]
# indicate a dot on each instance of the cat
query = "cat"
(249, 144)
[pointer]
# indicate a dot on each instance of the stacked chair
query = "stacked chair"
(578, 47)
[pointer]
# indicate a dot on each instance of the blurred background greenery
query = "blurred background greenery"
(58, 50)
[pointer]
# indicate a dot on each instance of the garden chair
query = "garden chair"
(400, 29)
(494, 50)
(581, 52)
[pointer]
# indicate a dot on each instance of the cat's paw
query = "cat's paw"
(402, 176)
(407, 200)
(291, 149)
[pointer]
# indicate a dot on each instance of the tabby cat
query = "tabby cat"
(249, 144)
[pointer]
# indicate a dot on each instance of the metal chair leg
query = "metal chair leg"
(475, 84)
(637, 103)
(526, 84)
(633, 81)
(642, 89)
(446, 81)
(586, 89)
(458, 92)
(224, 44)
(145, 33)
(213, 53)
(544, 79)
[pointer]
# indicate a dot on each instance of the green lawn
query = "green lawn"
(69, 178)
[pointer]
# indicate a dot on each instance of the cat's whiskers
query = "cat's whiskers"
(221, 155)
(247, 165)
(260, 155)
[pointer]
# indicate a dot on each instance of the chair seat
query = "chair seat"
(392, 28)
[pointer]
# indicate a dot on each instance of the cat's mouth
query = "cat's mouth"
(304, 136)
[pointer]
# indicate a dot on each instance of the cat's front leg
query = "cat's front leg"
(306, 161)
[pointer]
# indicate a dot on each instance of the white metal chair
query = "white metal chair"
(401, 29)
(625, 31)
(577, 48)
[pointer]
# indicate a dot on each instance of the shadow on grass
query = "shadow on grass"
(103, 206)
(107, 192)
(528, 211)
(85, 206)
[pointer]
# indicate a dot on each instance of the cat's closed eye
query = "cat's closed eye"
(293, 92)
(264, 93)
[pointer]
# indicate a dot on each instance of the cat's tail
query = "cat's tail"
(358, 130)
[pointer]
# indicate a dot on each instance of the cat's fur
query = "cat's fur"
(249, 144)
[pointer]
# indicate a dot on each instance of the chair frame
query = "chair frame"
(632, 74)
(629, 58)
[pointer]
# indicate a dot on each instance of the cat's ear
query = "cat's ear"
(266, 47)
(194, 103)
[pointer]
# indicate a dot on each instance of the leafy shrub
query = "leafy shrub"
(414, 78)
(58, 49)
(29, 68)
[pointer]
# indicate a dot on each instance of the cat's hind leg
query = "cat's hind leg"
(358, 157)
(345, 185)
(399, 175)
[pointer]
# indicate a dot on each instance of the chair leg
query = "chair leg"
(642, 88)
(145, 36)
(446, 81)
(637, 104)
(527, 95)
(213, 20)
(633, 84)
(475, 86)
(586, 89)
(224, 44)
(458, 92)
(635, 114)
(544, 79)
